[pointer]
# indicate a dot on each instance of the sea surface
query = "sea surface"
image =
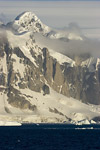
(50, 137)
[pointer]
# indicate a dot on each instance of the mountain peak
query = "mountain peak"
(28, 21)
(26, 15)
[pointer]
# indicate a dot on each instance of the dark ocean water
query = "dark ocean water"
(50, 137)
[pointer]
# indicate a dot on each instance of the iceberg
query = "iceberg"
(10, 123)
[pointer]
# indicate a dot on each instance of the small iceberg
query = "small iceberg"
(37, 124)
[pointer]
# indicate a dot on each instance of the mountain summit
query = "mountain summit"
(43, 76)
(28, 21)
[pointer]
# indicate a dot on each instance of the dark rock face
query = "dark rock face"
(96, 119)
(16, 100)
(46, 89)
(77, 82)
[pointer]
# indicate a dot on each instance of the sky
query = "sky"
(56, 14)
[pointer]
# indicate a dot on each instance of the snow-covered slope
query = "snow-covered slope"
(51, 108)
(58, 108)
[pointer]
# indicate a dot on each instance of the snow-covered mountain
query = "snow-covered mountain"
(28, 21)
(38, 82)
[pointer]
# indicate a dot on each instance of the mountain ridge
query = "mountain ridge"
(31, 72)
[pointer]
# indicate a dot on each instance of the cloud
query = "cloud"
(3, 18)
(3, 36)
(70, 48)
